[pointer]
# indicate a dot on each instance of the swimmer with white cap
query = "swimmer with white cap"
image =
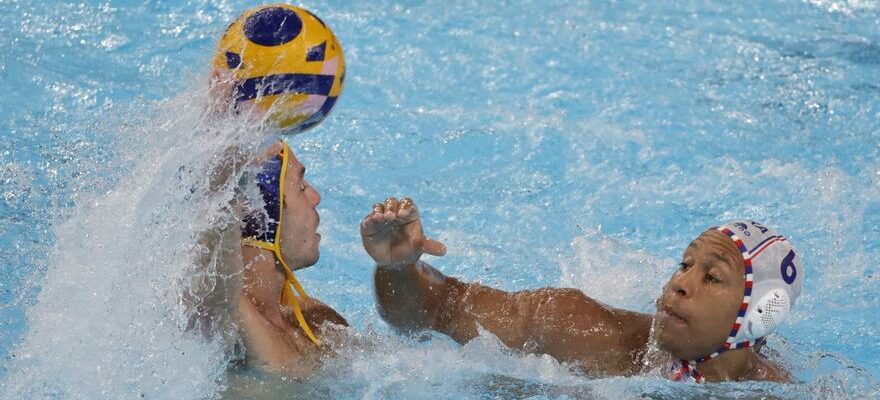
(735, 284)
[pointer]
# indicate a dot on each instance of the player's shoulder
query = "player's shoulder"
(766, 370)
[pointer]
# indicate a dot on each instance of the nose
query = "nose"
(314, 196)
(681, 284)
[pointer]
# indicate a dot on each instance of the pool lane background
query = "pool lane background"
(580, 144)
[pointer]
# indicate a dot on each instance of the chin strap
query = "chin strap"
(685, 371)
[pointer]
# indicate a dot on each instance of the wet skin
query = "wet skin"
(299, 230)
(694, 312)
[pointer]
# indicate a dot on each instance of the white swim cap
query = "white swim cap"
(774, 278)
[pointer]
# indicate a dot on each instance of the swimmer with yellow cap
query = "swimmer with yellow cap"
(735, 284)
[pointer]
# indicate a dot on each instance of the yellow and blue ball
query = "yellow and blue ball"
(286, 62)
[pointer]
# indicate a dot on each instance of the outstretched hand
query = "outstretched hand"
(392, 234)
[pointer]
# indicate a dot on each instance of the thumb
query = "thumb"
(434, 247)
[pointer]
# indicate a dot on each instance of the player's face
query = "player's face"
(701, 301)
(299, 218)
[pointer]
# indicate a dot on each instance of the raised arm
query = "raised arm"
(563, 323)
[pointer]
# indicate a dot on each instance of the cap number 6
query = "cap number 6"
(787, 268)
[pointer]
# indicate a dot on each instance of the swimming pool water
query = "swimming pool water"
(577, 144)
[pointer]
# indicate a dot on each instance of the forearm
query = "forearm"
(418, 296)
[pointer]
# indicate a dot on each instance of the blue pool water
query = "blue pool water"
(577, 144)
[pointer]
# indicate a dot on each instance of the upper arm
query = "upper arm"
(214, 282)
(544, 320)
(563, 323)
(566, 323)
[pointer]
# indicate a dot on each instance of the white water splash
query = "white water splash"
(611, 272)
(110, 320)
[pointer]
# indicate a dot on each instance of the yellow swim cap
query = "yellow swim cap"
(286, 63)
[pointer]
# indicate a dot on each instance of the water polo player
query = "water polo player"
(735, 284)
(282, 67)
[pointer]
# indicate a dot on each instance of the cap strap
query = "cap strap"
(684, 370)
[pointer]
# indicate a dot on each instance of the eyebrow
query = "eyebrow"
(725, 261)
(719, 257)
(716, 256)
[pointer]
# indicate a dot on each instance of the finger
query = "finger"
(375, 218)
(391, 204)
(222, 84)
(405, 204)
(376, 215)
(405, 209)
(413, 211)
(391, 208)
(372, 217)
(373, 224)
(434, 247)
(405, 214)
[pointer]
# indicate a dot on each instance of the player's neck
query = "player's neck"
(262, 282)
(731, 365)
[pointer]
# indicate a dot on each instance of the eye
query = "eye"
(712, 279)
(302, 186)
(683, 267)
